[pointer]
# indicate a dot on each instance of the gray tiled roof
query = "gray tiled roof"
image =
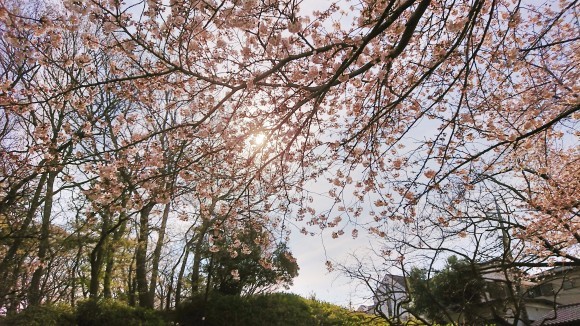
(565, 315)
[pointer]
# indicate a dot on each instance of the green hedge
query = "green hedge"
(272, 309)
(116, 313)
(329, 314)
(48, 315)
(268, 310)
(234, 310)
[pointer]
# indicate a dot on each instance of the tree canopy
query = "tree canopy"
(457, 288)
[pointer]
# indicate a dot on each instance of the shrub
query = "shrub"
(271, 309)
(329, 314)
(116, 313)
(47, 315)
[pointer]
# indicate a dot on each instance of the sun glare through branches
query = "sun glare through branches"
(259, 139)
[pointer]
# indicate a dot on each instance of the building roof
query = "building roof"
(555, 271)
(564, 315)
(396, 278)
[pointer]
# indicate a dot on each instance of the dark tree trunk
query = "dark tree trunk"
(97, 257)
(197, 253)
(108, 277)
(35, 291)
(131, 286)
(110, 264)
(141, 257)
(74, 270)
(179, 284)
(157, 254)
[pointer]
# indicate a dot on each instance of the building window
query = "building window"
(568, 284)
(547, 289)
(533, 292)
(496, 290)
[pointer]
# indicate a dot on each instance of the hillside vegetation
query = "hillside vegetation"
(269, 309)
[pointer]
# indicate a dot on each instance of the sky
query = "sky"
(314, 279)
(312, 253)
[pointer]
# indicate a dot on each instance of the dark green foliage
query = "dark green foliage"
(325, 313)
(457, 289)
(116, 313)
(48, 315)
(271, 309)
(274, 309)
(253, 277)
(88, 313)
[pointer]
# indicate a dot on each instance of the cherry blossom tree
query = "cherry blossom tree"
(409, 109)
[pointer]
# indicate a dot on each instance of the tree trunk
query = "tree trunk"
(73, 274)
(157, 254)
(97, 257)
(110, 264)
(108, 277)
(141, 257)
(179, 286)
(131, 285)
(35, 292)
(169, 293)
(197, 260)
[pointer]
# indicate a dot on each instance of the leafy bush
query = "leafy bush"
(235, 310)
(47, 315)
(272, 309)
(278, 309)
(458, 288)
(116, 313)
(326, 313)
